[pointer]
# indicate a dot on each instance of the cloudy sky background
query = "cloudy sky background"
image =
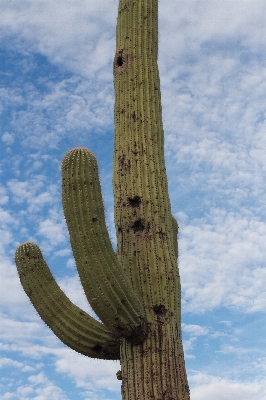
(56, 93)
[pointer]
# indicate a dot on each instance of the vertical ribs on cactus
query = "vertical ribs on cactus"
(135, 291)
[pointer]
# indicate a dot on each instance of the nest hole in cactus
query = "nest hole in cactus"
(159, 309)
(119, 61)
(134, 201)
(138, 225)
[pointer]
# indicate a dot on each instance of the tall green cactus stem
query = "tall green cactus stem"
(144, 224)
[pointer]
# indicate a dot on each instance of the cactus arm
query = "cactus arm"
(73, 326)
(108, 292)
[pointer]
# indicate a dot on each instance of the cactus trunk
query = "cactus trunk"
(145, 228)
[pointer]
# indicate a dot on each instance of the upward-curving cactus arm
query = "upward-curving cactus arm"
(71, 325)
(107, 288)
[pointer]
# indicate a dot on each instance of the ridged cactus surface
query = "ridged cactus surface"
(135, 291)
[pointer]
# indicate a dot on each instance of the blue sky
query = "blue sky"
(56, 93)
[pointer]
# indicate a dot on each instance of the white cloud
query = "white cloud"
(74, 290)
(62, 253)
(87, 374)
(40, 200)
(39, 387)
(8, 362)
(222, 263)
(25, 190)
(195, 330)
(6, 218)
(207, 387)
(52, 231)
(12, 297)
(3, 196)
(43, 26)
(7, 138)
(51, 114)
(19, 331)
(71, 263)
(10, 97)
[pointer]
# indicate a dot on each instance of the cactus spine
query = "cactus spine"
(135, 292)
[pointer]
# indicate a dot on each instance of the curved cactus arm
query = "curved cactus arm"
(71, 325)
(105, 284)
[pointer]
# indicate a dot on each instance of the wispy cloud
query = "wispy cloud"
(222, 263)
(37, 387)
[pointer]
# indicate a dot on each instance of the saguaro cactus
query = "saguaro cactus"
(135, 291)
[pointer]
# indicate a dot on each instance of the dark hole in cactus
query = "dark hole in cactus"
(94, 219)
(97, 348)
(119, 61)
(138, 225)
(159, 309)
(134, 201)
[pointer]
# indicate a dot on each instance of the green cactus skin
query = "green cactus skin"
(146, 230)
(135, 291)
